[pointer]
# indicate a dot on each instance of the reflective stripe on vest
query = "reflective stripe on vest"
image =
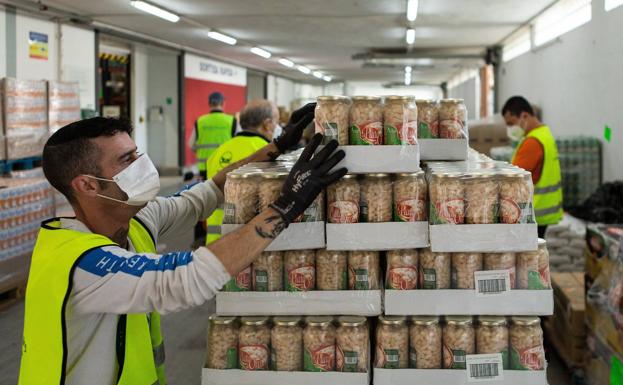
(548, 190)
(213, 129)
(44, 348)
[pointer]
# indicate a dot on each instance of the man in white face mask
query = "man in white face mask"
(97, 286)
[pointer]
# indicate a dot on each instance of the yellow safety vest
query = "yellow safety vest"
(44, 347)
(548, 190)
(239, 147)
(213, 129)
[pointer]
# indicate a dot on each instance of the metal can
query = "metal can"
(400, 117)
(287, 344)
(222, 343)
(319, 345)
(254, 343)
(268, 271)
(343, 199)
(526, 337)
(425, 343)
(392, 343)
(452, 119)
(447, 199)
(376, 198)
(352, 344)
(331, 117)
(428, 118)
(410, 193)
(299, 270)
(402, 269)
(366, 121)
(492, 337)
(458, 341)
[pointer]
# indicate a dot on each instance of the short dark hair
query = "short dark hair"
(70, 152)
(216, 99)
(516, 105)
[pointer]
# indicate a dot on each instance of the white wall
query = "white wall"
(469, 91)
(77, 58)
(30, 68)
(139, 96)
(376, 88)
(280, 90)
(577, 82)
(2, 42)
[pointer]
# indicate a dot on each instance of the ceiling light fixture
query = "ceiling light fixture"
(222, 37)
(407, 78)
(286, 62)
(318, 74)
(327, 78)
(410, 36)
(154, 10)
(412, 9)
(408, 69)
(304, 70)
(261, 52)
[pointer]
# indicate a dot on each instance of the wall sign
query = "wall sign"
(38, 45)
(200, 68)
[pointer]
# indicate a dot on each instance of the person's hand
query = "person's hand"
(293, 131)
(309, 175)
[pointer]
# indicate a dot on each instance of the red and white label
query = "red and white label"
(532, 358)
(243, 279)
(372, 133)
(344, 212)
(510, 212)
(544, 274)
(253, 357)
(324, 357)
(402, 278)
(451, 211)
(411, 210)
(302, 278)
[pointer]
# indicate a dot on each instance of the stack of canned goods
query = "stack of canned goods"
(432, 342)
(396, 120)
(311, 344)
(305, 270)
(411, 269)
(377, 198)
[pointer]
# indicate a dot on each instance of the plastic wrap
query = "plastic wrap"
(452, 119)
(533, 268)
(366, 121)
(222, 343)
(63, 104)
(526, 344)
(428, 118)
(25, 117)
(343, 199)
(392, 343)
(410, 193)
(400, 115)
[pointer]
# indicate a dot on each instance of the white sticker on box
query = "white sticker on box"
(484, 367)
(492, 282)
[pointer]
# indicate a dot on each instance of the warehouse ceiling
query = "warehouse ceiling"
(326, 34)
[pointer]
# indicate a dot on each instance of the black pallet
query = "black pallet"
(6, 166)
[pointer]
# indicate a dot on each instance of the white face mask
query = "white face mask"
(277, 132)
(140, 181)
(515, 132)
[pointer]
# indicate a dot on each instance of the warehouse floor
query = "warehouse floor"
(184, 332)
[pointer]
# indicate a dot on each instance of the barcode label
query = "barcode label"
(350, 360)
(492, 282)
(484, 367)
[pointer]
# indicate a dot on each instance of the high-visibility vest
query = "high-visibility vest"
(239, 147)
(213, 129)
(548, 189)
(44, 347)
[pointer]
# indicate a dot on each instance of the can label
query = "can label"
(454, 358)
(451, 128)
(528, 359)
(429, 278)
(319, 360)
(328, 129)
(229, 213)
(451, 211)
(400, 134)
(358, 279)
(301, 278)
(261, 280)
(402, 278)
(538, 279)
(387, 358)
(370, 133)
(428, 130)
(344, 212)
(241, 282)
(254, 357)
(409, 210)
(346, 361)
(232, 358)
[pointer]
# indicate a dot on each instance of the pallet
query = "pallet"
(11, 296)
(6, 166)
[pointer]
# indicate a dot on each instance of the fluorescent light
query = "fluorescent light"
(304, 70)
(261, 52)
(412, 10)
(286, 62)
(407, 78)
(318, 74)
(327, 78)
(222, 37)
(156, 11)
(408, 69)
(410, 36)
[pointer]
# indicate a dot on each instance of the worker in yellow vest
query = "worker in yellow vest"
(258, 120)
(211, 130)
(537, 152)
(97, 286)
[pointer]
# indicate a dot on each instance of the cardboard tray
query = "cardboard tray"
(344, 302)
(390, 159)
(244, 377)
(453, 377)
(298, 236)
(465, 302)
(494, 238)
(443, 149)
(377, 236)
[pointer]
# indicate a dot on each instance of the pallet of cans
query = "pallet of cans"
(480, 206)
(251, 188)
(304, 282)
(459, 349)
(287, 350)
(63, 104)
(377, 212)
(421, 282)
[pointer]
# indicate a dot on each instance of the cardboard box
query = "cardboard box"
(246, 377)
(390, 159)
(344, 302)
(443, 149)
(602, 324)
(466, 302)
(487, 133)
(298, 236)
(571, 354)
(493, 238)
(453, 377)
(377, 236)
(570, 301)
(603, 365)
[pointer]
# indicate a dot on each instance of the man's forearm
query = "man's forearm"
(238, 249)
(265, 154)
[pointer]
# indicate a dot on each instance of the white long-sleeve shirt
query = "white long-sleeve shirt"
(104, 287)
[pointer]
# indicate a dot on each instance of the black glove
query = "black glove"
(293, 131)
(308, 177)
